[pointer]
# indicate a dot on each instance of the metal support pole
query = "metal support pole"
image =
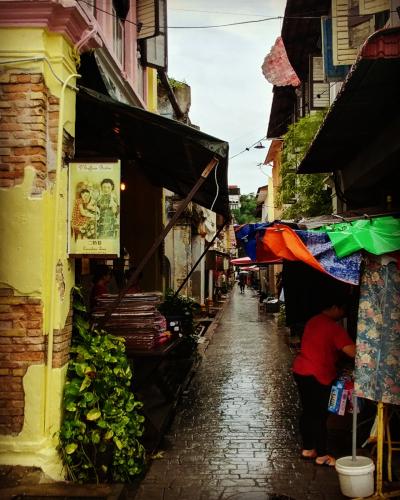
(200, 258)
(379, 451)
(107, 315)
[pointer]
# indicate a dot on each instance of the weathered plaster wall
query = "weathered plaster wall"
(29, 98)
(198, 276)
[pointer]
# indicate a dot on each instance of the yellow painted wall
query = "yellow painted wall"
(18, 43)
(152, 90)
(34, 447)
(55, 59)
(27, 228)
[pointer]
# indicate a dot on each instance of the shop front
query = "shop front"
(357, 261)
(143, 153)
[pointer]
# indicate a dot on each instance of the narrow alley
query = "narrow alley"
(235, 431)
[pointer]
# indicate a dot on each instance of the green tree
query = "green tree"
(306, 193)
(247, 211)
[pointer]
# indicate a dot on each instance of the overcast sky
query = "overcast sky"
(231, 99)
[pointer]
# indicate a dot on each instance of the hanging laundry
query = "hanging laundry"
(277, 68)
(377, 373)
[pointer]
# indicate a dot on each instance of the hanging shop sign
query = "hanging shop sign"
(94, 208)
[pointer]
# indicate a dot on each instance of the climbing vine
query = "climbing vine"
(98, 439)
(304, 195)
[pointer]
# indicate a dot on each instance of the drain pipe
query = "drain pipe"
(53, 290)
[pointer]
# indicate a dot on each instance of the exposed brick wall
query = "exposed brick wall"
(62, 343)
(29, 116)
(28, 136)
(21, 344)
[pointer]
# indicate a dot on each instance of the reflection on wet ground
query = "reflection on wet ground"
(235, 432)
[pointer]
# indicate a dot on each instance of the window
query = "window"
(118, 36)
(152, 32)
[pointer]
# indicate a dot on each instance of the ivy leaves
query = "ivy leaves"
(101, 424)
(305, 194)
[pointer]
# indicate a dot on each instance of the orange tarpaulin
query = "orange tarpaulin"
(283, 243)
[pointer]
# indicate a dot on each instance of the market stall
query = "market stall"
(361, 260)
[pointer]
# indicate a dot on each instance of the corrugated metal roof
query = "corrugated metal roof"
(301, 32)
(382, 44)
(368, 101)
(301, 35)
(348, 216)
(282, 110)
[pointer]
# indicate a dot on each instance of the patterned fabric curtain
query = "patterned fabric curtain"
(377, 373)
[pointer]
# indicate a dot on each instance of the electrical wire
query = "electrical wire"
(224, 25)
(218, 12)
(248, 147)
(238, 23)
(279, 124)
(290, 115)
(274, 18)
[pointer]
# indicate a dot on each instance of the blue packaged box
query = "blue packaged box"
(336, 397)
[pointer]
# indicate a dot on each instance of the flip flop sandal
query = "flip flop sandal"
(327, 461)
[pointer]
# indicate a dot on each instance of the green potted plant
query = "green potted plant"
(182, 310)
(101, 426)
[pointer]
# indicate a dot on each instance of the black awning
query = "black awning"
(361, 130)
(301, 32)
(282, 110)
(169, 153)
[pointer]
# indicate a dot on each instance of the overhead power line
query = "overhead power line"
(248, 147)
(210, 26)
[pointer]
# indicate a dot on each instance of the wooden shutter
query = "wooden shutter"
(373, 6)
(319, 89)
(360, 26)
(345, 44)
(154, 52)
(147, 19)
(341, 51)
(332, 73)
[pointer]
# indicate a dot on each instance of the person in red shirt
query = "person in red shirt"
(314, 370)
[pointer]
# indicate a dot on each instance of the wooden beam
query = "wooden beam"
(184, 203)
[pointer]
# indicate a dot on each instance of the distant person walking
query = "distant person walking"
(242, 281)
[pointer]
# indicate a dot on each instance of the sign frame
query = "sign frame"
(94, 205)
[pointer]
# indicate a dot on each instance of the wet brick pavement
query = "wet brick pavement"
(234, 435)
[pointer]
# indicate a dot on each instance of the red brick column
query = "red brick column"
(28, 136)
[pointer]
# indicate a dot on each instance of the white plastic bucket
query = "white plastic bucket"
(356, 477)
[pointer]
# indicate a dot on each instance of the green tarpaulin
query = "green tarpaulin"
(375, 235)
